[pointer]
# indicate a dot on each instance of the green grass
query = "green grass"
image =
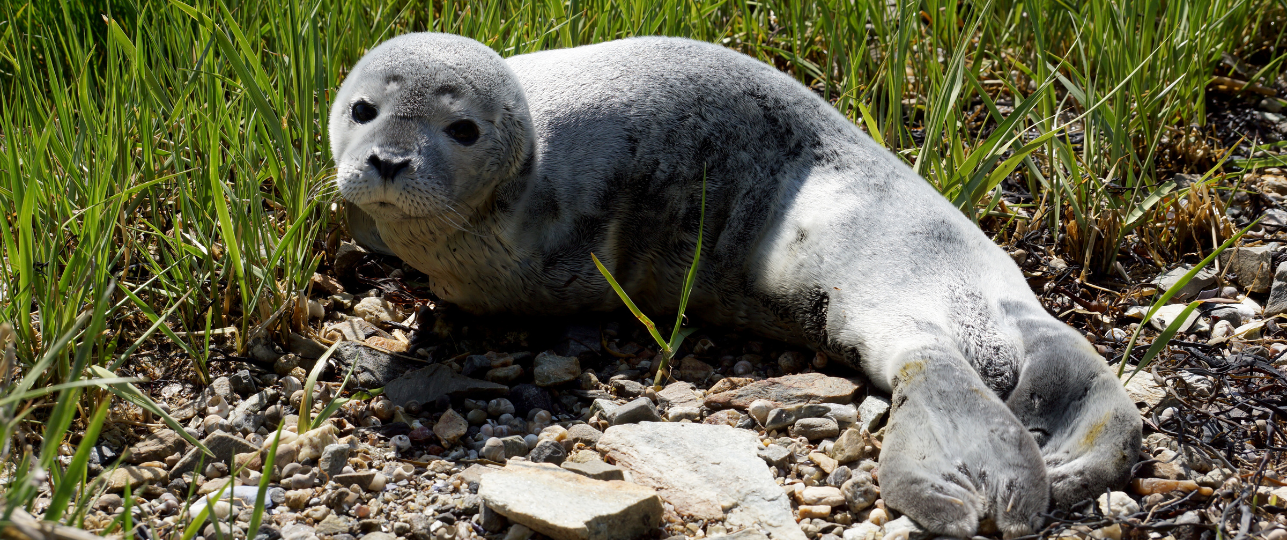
(164, 167)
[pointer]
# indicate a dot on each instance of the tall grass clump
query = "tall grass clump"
(164, 164)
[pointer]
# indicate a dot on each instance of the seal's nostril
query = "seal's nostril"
(388, 169)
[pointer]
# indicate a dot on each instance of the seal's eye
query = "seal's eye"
(364, 111)
(463, 131)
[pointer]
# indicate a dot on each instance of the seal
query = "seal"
(498, 178)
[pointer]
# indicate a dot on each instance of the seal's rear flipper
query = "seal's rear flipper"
(1088, 428)
(954, 454)
(363, 230)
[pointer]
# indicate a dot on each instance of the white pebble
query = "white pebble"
(377, 483)
(1117, 504)
(759, 410)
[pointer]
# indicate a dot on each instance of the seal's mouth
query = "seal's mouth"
(384, 210)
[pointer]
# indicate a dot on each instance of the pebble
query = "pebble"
(333, 459)
(499, 406)
(639, 410)
(859, 491)
(548, 451)
(759, 410)
(451, 426)
(821, 495)
(1117, 504)
(815, 428)
(813, 511)
(109, 502)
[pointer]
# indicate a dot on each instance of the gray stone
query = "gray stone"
(776, 455)
(372, 368)
(357, 329)
(224, 447)
(788, 390)
(247, 422)
(703, 469)
(852, 445)
(815, 428)
(514, 445)
(242, 383)
(363, 479)
(639, 410)
(504, 375)
(258, 402)
(839, 476)
(1252, 265)
(549, 369)
(871, 411)
(627, 388)
(584, 434)
(476, 364)
(157, 446)
(605, 407)
(859, 491)
(678, 394)
(135, 477)
(786, 416)
(1278, 293)
(334, 458)
(548, 451)
(1167, 281)
(221, 387)
(451, 426)
(334, 525)
(595, 469)
(427, 384)
(567, 506)
(305, 347)
(491, 520)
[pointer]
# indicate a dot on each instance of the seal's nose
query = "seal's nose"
(388, 169)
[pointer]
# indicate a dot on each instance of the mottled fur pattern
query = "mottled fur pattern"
(814, 234)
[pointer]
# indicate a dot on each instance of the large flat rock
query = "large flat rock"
(427, 384)
(706, 471)
(795, 389)
(225, 448)
(372, 368)
(567, 506)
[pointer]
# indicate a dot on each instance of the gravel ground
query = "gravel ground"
(462, 400)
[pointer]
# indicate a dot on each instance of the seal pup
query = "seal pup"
(498, 178)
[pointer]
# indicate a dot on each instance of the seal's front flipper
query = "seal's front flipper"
(363, 230)
(1088, 428)
(953, 453)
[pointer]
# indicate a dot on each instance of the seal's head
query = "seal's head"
(426, 126)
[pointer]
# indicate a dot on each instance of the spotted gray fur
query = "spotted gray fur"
(814, 234)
